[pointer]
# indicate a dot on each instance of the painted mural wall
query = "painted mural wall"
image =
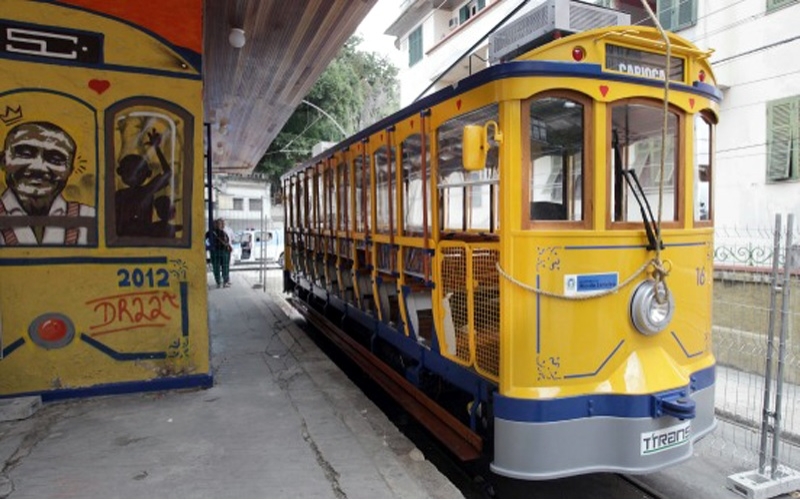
(102, 272)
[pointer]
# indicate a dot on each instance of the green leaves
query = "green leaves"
(356, 90)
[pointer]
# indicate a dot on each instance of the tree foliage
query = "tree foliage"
(356, 90)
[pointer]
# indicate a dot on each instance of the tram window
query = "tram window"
(384, 188)
(317, 196)
(301, 203)
(149, 171)
(467, 200)
(363, 189)
(288, 202)
(411, 149)
(556, 156)
(703, 154)
(330, 200)
(343, 174)
(635, 143)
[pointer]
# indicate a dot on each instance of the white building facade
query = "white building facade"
(757, 169)
(243, 201)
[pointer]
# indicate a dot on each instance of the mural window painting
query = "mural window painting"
(48, 178)
(148, 173)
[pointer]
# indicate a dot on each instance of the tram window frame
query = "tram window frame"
(318, 201)
(330, 188)
(343, 198)
(457, 185)
(586, 176)
(678, 171)
(706, 119)
(407, 169)
(288, 202)
(385, 189)
(301, 214)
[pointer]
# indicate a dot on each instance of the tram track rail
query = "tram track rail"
(456, 447)
(454, 435)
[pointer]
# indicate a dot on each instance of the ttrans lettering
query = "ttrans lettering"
(657, 441)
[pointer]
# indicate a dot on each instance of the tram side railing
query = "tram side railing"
(468, 314)
(756, 330)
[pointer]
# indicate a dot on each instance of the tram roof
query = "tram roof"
(521, 68)
(250, 93)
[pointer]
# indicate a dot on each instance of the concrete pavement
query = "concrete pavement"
(281, 421)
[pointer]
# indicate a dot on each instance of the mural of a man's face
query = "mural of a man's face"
(38, 159)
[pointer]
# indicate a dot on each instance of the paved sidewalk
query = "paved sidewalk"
(282, 421)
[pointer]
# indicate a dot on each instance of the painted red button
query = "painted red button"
(52, 330)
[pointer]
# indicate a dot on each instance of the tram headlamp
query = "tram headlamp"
(649, 314)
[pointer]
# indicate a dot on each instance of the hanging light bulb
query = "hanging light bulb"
(236, 38)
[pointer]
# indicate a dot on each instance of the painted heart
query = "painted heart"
(604, 90)
(99, 86)
(458, 104)
(691, 102)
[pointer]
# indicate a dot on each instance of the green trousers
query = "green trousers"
(221, 263)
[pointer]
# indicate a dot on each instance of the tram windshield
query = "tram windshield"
(636, 138)
(556, 158)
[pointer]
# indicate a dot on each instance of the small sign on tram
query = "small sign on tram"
(640, 63)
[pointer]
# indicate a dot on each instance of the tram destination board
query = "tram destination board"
(640, 63)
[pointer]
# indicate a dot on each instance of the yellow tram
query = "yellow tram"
(532, 249)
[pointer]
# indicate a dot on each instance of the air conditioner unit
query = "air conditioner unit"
(537, 26)
(453, 23)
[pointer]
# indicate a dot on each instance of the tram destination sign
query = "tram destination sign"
(640, 63)
(46, 42)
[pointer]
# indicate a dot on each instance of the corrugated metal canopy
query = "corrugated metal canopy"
(250, 93)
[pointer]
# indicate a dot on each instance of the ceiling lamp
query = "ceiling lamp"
(236, 38)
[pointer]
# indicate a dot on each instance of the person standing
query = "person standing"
(231, 241)
(220, 249)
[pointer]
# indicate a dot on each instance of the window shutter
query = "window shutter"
(687, 13)
(481, 4)
(463, 14)
(666, 8)
(781, 133)
(776, 4)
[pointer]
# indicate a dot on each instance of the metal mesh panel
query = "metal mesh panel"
(454, 291)
(744, 298)
(487, 311)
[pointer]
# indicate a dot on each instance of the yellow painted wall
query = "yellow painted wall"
(118, 302)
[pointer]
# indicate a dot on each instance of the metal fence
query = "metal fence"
(756, 334)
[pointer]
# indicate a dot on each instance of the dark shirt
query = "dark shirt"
(218, 240)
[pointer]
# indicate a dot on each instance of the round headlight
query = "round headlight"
(650, 316)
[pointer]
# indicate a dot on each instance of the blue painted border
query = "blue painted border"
(202, 381)
(629, 247)
(685, 352)
(605, 361)
(68, 261)
(121, 356)
(593, 405)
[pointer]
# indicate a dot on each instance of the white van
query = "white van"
(257, 245)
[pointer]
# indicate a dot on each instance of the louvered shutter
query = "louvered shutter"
(687, 13)
(781, 133)
(776, 4)
(666, 8)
